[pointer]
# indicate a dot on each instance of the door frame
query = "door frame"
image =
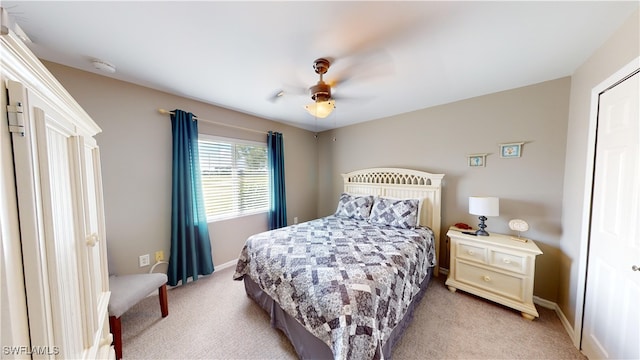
(610, 81)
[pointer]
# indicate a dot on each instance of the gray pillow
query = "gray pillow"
(401, 213)
(356, 207)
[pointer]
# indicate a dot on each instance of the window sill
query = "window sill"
(234, 217)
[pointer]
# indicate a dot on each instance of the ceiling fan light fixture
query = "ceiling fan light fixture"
(321, 109)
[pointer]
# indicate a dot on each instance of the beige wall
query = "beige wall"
(135, 146)
(438, 140)
(619, 50)
(552, 117)
(136, 152)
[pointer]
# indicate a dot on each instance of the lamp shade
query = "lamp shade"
(484, 206)
(320, 109)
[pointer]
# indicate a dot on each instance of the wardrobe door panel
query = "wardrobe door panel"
(94, 253)
(58, 169)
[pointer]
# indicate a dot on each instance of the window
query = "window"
(234, 176)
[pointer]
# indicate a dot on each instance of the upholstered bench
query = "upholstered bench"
(128, 290)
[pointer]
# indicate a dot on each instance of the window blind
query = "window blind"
(234, 175)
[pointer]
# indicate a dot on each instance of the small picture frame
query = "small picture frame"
(511, 150)
(476, 160)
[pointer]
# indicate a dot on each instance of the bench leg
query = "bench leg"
(162, 295)
(116, 330)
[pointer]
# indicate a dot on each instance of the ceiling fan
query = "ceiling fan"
(324, 100)
(323, 104)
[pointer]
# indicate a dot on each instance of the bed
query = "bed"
(345, 286)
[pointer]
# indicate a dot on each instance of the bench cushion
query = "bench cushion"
(128, 290)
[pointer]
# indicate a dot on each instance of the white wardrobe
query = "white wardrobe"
(53, 268)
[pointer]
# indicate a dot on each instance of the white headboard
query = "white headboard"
(402, 184)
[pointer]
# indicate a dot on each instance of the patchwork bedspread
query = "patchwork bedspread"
(347, 281)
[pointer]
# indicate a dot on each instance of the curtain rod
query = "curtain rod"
(167, 112)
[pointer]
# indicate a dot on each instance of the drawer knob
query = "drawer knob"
(471, 252)
(486, 278)
(506, 261)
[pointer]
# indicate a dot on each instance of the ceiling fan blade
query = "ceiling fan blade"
(362, 43)
(287, 91)
(359, 99)
(364, 36)
(362, 70)
(276, 95)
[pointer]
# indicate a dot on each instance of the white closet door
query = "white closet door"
(611, 328)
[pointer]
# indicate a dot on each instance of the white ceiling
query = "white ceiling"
(392, 57)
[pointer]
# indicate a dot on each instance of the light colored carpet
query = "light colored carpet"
(214, 319)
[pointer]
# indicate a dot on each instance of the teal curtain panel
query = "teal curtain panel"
(278, 198)
(190, 253)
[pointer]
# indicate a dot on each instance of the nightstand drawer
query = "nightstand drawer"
(498, 283)
(471, 252)
(508, 261)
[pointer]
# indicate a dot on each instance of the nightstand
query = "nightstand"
(495, 267)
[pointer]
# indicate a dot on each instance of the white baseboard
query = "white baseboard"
(545, 303)
(228, 264)
(563, 319)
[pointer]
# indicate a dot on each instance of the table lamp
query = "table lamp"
(484, 206)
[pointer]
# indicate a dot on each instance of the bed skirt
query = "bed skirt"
(308, 346)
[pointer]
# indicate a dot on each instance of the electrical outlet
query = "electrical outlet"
(295, 220)
(159, 255)
(143, 260)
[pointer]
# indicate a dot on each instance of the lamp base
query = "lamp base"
(481, 231)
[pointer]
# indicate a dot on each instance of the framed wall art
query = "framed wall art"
(476, 160)
(511, 150)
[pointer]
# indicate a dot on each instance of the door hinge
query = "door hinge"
(16, 120)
